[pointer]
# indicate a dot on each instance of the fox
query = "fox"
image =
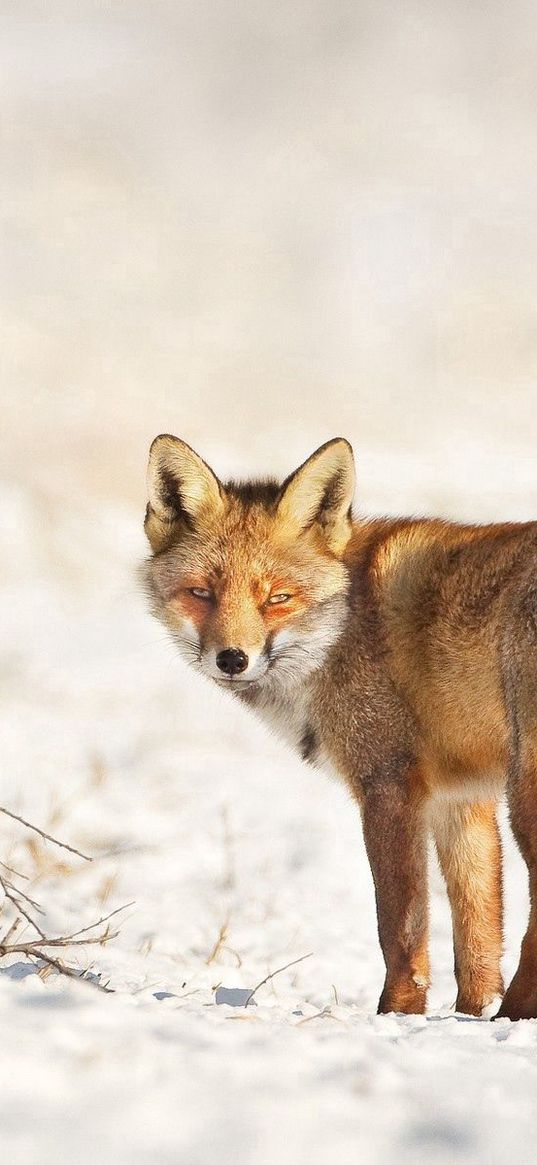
(398, 653)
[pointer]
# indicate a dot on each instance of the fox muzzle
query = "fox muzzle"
(232, 661)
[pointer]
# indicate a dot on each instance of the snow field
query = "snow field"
(238, 859)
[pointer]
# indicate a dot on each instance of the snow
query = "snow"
(238, 860)
(257, 226)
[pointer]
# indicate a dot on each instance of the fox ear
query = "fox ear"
(321, 491)
(180, 486)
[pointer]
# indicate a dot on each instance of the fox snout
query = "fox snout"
(234, 666)
(231, 661)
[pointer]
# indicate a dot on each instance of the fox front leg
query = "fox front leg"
(396, 843)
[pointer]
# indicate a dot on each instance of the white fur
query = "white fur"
(470, 789)
(282, 698)
(276, 682)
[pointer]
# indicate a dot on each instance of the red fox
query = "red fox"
(401, 653)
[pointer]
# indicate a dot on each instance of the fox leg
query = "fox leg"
(469, 851)
(395, 838)
(520, 690)
(520, 1001)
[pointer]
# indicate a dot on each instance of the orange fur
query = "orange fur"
(404, 658)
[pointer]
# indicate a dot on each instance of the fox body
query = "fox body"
(401, 654)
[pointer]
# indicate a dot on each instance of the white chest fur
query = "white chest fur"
(291, 721)
(288, 717)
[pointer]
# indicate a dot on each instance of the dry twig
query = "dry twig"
(38, 950)
(278, 972)
(47, 836)
(220, 942)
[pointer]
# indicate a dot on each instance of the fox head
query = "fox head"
(249, 577)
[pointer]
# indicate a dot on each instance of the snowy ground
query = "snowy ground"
(194, 813)
(259, 226)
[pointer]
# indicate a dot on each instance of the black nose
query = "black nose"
(232, 661)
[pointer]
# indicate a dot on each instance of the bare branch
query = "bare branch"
(70, 972)
(278, 972)
(20, 893)
(35, 945)
(100, 921)
(47, 836)
(38, 949)
(11, 931)
(16, 873)
(12, 894)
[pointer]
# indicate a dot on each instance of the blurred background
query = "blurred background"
(256, 224)
(261, 225)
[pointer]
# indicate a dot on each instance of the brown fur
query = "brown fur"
(422, 694)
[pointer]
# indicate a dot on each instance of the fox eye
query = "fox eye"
(200, 593)
(279, 598)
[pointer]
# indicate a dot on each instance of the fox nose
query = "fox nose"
(232, 661)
